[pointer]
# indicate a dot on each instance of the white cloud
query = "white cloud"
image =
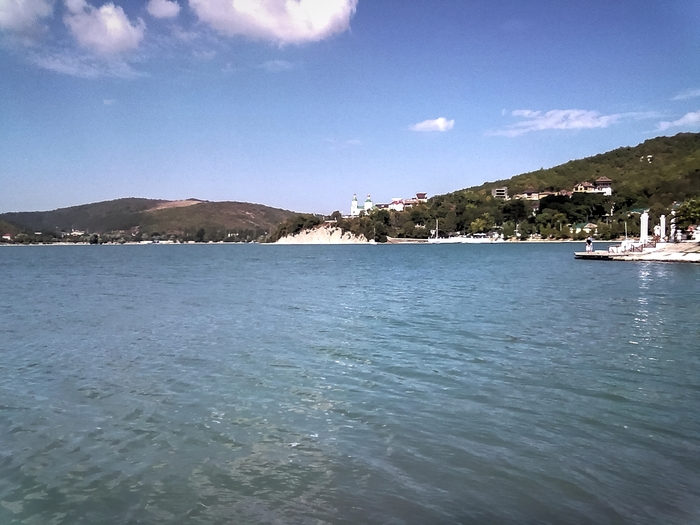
(556, 119)
(439, 124)
(18, 15)
(687, 94)
(106, 30)
(83, 66)
(163, 8)
(109, 102)
(687, 120)
(279, 21)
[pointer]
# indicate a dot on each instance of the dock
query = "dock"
(598, 255)
(687, 251)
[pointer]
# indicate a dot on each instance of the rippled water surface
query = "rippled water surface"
(346, 384)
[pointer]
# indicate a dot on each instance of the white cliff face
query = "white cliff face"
(323, 235)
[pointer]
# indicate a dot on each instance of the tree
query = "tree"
(482, 224)
(688, 213)
(515, 211)
(199, 236)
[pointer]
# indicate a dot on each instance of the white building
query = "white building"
(355, 208)
(396, 204)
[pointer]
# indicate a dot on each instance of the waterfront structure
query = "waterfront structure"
(644, 228)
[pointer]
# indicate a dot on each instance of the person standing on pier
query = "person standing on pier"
(589, 244)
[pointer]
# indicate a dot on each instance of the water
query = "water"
(346, 384)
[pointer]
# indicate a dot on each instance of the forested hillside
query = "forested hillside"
(658, 171)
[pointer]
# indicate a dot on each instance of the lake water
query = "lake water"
(244, 384)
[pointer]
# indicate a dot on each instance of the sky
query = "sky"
(299, 104)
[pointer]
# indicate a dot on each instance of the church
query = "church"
(355, 208)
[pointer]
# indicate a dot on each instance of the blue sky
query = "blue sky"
(298, 104)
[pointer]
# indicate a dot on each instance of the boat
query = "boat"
(476, 238)
(434, 239)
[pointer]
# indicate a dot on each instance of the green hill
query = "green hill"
(660, 170)
(132, 217)
(99, 217)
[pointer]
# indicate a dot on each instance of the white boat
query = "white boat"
(434, 239)
(477, 238)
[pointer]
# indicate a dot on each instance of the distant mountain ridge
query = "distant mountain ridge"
(150, 216)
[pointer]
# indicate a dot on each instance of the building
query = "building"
(529, 195)
(355, 209)
(500, 193)
(584, 187)
(396, 204)
(601, 185)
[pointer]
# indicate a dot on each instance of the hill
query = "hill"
(660, 170)
(146, 218)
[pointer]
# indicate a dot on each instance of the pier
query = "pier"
(687, 251)
(598, 255)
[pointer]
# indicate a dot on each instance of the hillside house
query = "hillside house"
(584, 187)
(603, 185)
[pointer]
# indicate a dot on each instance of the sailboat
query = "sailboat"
(435, 239)
(477, 238)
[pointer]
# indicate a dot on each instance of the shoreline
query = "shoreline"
(364, 242)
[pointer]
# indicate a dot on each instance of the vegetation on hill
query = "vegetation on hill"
(100, 217)
(657, 175)
(658, 171)
(232, 221)
(134, 219)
